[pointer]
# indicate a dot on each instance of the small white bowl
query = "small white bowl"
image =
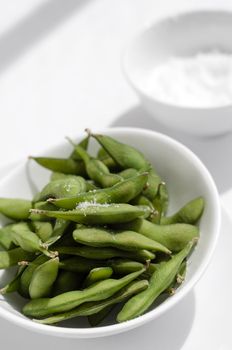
(183, 35)
(186, 178)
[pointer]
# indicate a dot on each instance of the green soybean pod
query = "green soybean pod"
(106, 253)
(124, 155)
(68, 187)
(67, 281)
(122, 192)
(13, 256)
(29, 241)
(26, 276)
(97, 274)
(43, 229)
(94, 308)
(124, 266)
(125, 240)
(97, 170)
(79, 264)
(70, 300)
(160, 281)
(174, 237)
(15, 208)
(61, 165)
(190, 213)
(84, 144)
(43, 278)
(6, 240)
(14, 284)
(127, 173)
(106, 159)
(41, 206)
(88, 213)
(152, 184)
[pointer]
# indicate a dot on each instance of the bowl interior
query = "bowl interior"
(186, 178)
(182, 35)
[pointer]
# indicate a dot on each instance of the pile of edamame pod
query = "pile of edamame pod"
(95, 236)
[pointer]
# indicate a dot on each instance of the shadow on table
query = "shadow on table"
(33, 27)
(169, 331)
(215, 152)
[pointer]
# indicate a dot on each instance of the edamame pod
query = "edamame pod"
(70, 300)
(14, 208)
(106, 253)
(84, 144)
(67, 281)
(89, 213)
(106, 159)
(190, 213)
(43, 278)
(174, 237)
(29, 241)
(5, 237)
(124, 266)
(122, 192)
(41, 206)
(26, 276)
(160, 203)
(160, 280)
(13, 285)
(13, 257)
(127, 173)
(125, 240)
(80, 265)
(97, 170)
(93, 308)
(124, 155)
(68, 187)
(97, 274)
(42, 229)
(61, 165)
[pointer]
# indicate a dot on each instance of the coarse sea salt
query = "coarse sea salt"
(203, 80)
(84, 205)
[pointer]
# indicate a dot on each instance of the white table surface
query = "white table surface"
(60, 73)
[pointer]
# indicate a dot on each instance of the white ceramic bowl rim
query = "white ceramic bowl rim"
(121, 327)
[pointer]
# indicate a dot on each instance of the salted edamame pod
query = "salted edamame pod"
(89, 213)
(67, 187)
(122, 192)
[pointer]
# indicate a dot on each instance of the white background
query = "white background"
(60, 73)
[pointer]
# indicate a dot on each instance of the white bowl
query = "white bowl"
(182, 35)
(186, 178)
